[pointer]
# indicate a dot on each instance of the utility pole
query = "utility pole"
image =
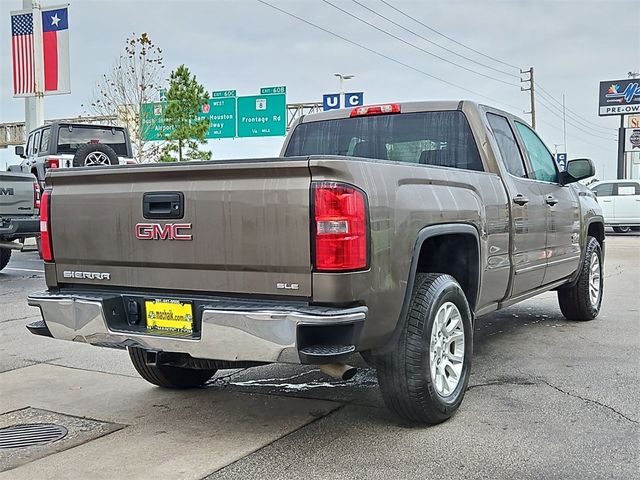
(564, 125)
(34, 106)
(531, 89)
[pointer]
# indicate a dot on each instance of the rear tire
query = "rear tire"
(622, 229)
(5, 255)
(424, 377)
(166, 376)
(582, 301)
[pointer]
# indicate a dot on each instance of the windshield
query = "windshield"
(431, 138)
(70, 138)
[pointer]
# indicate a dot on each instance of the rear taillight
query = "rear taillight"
(52, 162)
(375, 110)
(340, 227)
(36, 195)
(45, 227)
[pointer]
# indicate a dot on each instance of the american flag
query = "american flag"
(24, 76)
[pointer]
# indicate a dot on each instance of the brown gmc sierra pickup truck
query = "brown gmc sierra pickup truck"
(384, 230)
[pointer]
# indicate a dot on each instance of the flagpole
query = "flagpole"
(34, 106)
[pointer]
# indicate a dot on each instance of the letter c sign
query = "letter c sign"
(354, 99)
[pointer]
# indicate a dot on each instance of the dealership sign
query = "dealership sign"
(632, 139)
(619, 97)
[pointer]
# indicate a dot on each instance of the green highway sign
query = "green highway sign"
(262, 115)
(222, 117)
(223, 93)
(221, 112)
(270, 90)
(152, 121)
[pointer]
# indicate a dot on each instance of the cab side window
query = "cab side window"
(603, 190)
(509, 151)
(542, 162)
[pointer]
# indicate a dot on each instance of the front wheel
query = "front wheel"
(582, 301)
(167, 376)
(424, 376)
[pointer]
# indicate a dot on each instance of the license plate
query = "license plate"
(169, 315)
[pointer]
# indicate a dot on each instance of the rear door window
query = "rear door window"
(430, 138)
(509, 151)
(44, 141)
(70, 138)
(36, 143)
(628, 189)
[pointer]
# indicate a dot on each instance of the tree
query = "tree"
(185, 99)
(134, 79)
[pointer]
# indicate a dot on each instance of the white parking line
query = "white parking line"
(24, 270)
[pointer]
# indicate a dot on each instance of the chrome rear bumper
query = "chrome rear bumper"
(253, 333)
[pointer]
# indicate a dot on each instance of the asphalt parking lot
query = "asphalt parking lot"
(548, 398)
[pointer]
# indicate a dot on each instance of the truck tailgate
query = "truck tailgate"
(248, 222)
(16, 193)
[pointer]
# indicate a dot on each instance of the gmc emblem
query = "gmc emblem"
(168, 231)
(7, 191)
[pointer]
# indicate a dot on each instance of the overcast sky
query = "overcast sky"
(244, 45)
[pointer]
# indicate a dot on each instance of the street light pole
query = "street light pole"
(342, 79)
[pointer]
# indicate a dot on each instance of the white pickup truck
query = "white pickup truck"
(19, 208)
(620, 201)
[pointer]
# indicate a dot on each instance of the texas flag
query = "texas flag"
(55, 49)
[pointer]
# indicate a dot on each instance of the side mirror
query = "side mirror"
(577, 169)
(20, 151)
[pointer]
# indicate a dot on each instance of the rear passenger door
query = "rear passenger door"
(562, 208)
(627, 203)
(528, 211)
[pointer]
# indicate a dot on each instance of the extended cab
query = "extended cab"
(68, 145)
(19, 205)
(385, 230)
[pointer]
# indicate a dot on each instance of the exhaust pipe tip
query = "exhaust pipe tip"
(339, 371)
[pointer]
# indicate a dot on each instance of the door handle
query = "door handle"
(162, 205)
(520, 199)
(606, 201)
(551, 200)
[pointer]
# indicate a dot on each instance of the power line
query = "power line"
(434, 43)
(382, 30)
(576, 126)
(449, 38)
(382, 55)
(575, 136)
(577, 116)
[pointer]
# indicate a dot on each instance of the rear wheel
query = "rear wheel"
(424, 377)
(582, 301)
(5, 255)
(622, 229)
(167, 376)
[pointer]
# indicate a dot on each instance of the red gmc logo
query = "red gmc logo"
(168, 231)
